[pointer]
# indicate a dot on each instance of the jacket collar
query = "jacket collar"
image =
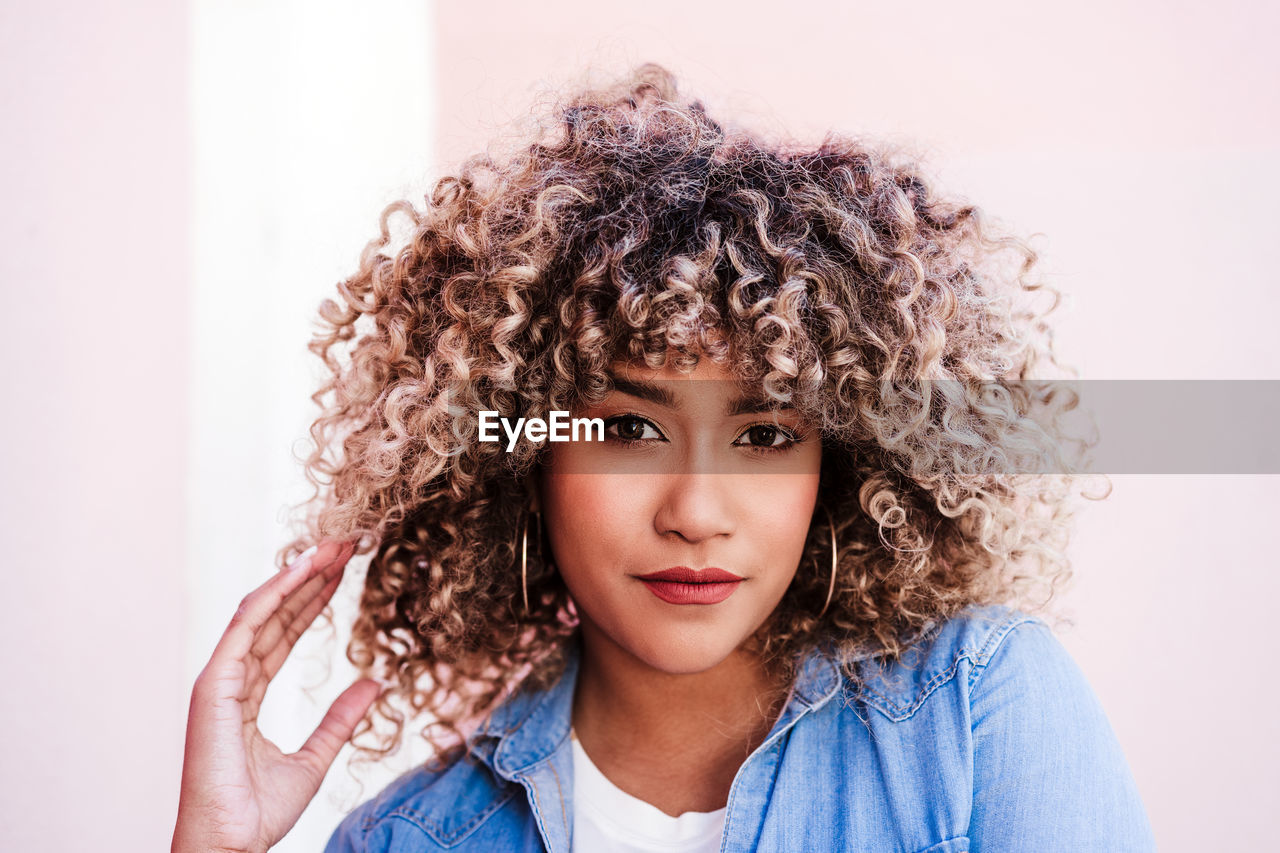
(526, 739)
(532, 724)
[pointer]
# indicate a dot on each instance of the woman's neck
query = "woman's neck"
(674, 741)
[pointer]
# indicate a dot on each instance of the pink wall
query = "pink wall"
(94, 270)
(1006, 76)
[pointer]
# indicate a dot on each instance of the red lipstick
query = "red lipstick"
(683, 585)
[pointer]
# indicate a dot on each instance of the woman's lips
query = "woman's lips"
(683, 585)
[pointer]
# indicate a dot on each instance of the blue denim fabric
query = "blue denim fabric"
(985, 737)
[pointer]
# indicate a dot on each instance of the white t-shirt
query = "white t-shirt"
(607, 819)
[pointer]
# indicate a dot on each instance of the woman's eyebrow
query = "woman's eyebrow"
(643, 390)
(755, 406)
(748, 405)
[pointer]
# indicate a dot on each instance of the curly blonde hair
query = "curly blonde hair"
(635, 227)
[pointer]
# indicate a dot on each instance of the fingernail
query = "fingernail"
(303, 560)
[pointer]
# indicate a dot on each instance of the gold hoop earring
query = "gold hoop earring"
(831, 587)
(524, 555)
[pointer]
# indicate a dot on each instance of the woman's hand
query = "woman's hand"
(239, 791)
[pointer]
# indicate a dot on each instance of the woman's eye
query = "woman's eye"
(761, 437)
(630, 428)
(766, 437)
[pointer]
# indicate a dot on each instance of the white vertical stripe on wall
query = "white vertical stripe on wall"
(307, 120)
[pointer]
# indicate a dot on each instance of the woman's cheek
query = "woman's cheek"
(584, 512)
(593, 501)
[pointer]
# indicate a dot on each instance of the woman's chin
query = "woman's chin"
(674, 640)
(685, 652)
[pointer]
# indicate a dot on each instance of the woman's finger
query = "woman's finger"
(326, 741)
(258, 606)
(270, 660)
(294, 604)
(321, 585)
(262, 665)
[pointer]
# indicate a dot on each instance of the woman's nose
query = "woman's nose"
(696, 506)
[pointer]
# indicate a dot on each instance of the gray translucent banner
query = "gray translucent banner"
(995, 428)
(1182, 426)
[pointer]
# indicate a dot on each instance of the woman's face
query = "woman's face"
(690, 476)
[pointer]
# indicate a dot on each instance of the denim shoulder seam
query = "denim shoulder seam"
(978, 658)
(997, 640)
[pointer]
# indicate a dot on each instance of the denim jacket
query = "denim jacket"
(985, 736)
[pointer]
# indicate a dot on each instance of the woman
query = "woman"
(766, 605)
